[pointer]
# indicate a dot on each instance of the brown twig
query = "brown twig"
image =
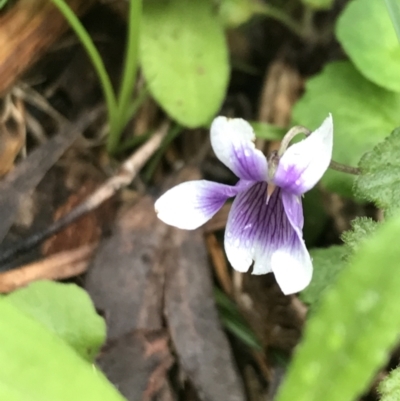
(124, 177)
(58, 266)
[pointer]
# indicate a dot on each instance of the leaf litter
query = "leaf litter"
(153, 284)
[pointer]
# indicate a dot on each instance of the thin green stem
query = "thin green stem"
(344, 168)
(279, 15)
(94, 55)
(128, 75)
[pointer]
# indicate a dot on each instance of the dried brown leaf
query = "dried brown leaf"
(201, 345)
(126, 280)
(137, 364)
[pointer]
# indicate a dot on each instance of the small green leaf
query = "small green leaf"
(361, 229)
(354, 328)
(38, 365)
(185, 58)
(379, 181)
(327, 262)
(268, 132)
(234, 13)
(389, 388)
(67, 311)
(319, 4)
(363, 114)
(366, 33)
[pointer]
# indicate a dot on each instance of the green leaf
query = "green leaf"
(268, 132)
(389, 388)
(363, 114)
(354, 328)
(367, 35)
(234, 13)
(319, 4)
(67, 311)
(185, 58)
(361, 229)
(379, 181)
(327, 264)
(393, 7)
(38, 365)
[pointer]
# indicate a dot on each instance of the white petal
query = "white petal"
(264, 232)
(191, 204)
(304, 163)
(292, 267)
(233, 142)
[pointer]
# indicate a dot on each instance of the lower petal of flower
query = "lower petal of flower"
(262, 232)
(191, 204)
(292, 266)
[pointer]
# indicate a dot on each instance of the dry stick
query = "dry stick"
(126, 174)
(55, 267)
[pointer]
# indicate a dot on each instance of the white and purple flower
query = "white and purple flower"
(266, 219)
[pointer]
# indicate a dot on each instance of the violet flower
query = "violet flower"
(266, 219)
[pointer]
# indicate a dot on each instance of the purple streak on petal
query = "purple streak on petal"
(292, 264)
(304, 163)
(233, 142)
(247, 163)
(255, 229)
(263, 232)
(191, 204)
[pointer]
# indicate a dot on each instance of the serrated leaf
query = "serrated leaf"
(38, 365)
(184, 58)
(363, 114)
(354, 328)
(67, 311)
(327, 264)
(379, 181)
(366, 33)
(389, 388)
(361, 229)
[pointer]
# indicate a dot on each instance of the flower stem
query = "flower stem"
(343, 168)
(275, 13)
(299, 129)
(294, 131)
(128, 75)
(94, 55)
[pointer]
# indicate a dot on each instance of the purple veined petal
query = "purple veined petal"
(292, 264)
(262, 232)
(304, 163)
(233, 142)
(191, 204)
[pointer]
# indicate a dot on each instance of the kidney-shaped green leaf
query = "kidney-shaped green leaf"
(363, 114)
(367, 34)
(67, 311)
(184, 58)
(38, 365)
